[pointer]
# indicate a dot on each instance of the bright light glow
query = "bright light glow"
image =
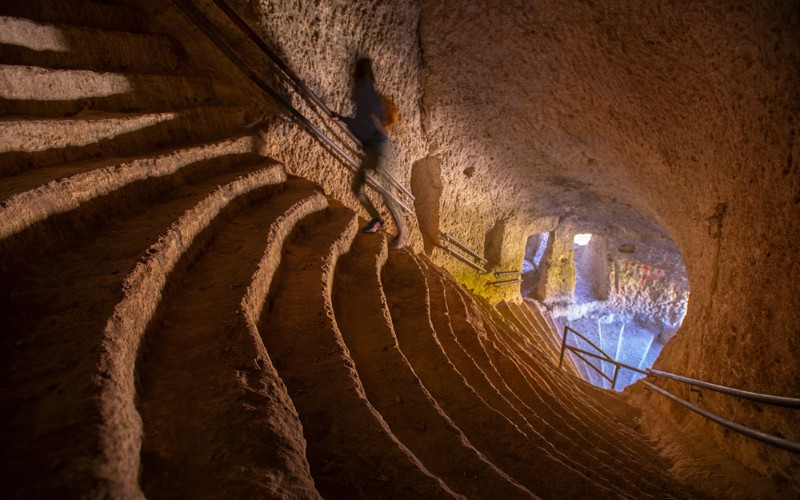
(24, 33)
(582, 239)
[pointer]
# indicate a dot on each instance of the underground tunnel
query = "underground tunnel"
(629, 303)
(191, 310)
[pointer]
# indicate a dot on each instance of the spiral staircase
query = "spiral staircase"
(184, 319)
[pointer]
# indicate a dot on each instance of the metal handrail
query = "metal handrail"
(564, 344)
(738, 393)
(498, 274)
(787, 402)
(588, 363)
(307, 93)
(297, 83)
(602, 357)
(294, 79)
(201, 22)
(463, 247)
(463, 259)
(506, 282)
(776, 441)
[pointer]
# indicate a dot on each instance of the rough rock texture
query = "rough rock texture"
(320, 41)
(669, 120)
(591, 268)
(557, 282)
(638, 121)
(652, 285)
(645, 283)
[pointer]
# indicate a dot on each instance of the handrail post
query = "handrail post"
(614, 382)
(563, 347)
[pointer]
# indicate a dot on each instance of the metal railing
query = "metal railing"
(737, 393)
(768, 399)
(199, 19)
(500, 274)
(471, 258)
(778, 442)
(601, 355)
(297, 83)
(465, 260)
(463, 247)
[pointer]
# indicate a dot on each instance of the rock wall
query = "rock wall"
(321, 41)
(670, 120)
(557, 282)
(593, 260)
(650, 283)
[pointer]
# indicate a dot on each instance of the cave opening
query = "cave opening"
(629, 298)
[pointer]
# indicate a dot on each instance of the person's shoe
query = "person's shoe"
(374, 226)
(399, 241)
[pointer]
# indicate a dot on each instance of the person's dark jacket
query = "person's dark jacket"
(367, 124)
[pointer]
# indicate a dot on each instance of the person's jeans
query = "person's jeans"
(376, 158)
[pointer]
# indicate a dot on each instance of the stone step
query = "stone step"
(73, 323)
(583, 455)
(549, 342)
(52, 206)
(578, 368)
(532, 363)
(32, 143)
(34, 91)
(294, 479)
(351, 450)
(541, 330)
(520, 328)
(449, 331)
(490, 431)
(74, 179)
(190, 373)
(465, 355)
(27, 42)
(469, 330)
(520, 325)
(594, 412)
(393, 387)
(626, 453)
(544, 320)
(84, 13)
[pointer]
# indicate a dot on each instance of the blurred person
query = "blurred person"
(368, 125)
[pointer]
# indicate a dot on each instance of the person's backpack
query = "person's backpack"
(391, 113)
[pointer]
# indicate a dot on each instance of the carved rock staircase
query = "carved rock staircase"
(183, 319)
